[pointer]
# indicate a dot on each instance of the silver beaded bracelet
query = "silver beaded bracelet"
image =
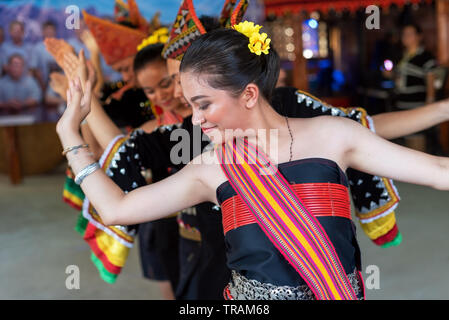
(69, 149)
(86, 171)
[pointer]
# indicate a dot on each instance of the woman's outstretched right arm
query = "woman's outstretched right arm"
(143, 204)
(182, 190)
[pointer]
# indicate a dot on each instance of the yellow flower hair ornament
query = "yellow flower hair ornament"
(258, 43)
(158, 36)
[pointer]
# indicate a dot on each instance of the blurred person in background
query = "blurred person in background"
(45, 63)
(55, 96)
(413, 69)
(17, 45)
(2, 39)
(414, 84)
(19, 92)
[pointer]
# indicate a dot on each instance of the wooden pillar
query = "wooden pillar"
(442, 17)
(442, 13)
(300, 80)
(12, 154)
(335, 45)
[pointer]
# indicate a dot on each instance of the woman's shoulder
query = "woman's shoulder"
(324, 123)
(325, 137)
(329, 129)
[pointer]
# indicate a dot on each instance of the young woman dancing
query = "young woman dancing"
(288, 231)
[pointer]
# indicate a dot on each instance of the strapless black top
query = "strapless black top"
(250, 252)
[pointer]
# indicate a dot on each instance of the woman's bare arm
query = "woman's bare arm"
(101, 125)
(179, 191)
(94, 146)
(367, 152)
(392, 125)
(151, 202)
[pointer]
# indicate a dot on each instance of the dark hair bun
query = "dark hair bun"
(146, 55)
(224, 54)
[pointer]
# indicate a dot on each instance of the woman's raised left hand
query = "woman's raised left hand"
(78, 107)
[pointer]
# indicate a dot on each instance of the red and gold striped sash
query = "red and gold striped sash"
(289, 225)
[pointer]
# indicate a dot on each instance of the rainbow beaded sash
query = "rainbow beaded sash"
(289, 225)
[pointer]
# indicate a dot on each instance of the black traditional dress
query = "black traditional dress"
(374, 197)
(259, 270)
(132, 110)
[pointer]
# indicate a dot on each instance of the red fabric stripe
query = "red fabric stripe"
(90, 238)
(389, 236)
(227, 294)
(69, 173)
(72, 204)
(322, 199)
(159, 110)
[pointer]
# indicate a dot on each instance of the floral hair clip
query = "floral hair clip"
(158, 36)
(258, 43)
